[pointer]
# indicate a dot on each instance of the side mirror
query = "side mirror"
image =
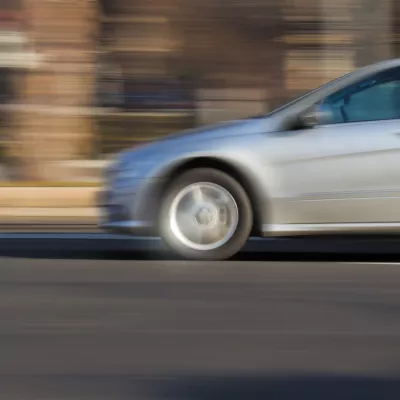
(316, 115)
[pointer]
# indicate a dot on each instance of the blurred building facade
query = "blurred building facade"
(69, 68)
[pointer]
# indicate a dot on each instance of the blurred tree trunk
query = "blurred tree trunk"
(53, 123)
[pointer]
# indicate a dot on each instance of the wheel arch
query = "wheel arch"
(227, 167)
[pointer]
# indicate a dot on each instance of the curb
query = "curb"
(54, 226)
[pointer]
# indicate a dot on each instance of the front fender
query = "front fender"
(248, 173)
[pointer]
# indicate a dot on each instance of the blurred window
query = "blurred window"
(374, 99)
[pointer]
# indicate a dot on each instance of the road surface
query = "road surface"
(90, 317)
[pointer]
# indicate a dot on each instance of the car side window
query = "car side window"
(377, 98)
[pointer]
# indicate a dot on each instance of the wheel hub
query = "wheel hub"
(204, 216)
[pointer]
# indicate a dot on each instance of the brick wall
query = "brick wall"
(63, 33)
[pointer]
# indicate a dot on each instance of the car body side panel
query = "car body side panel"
(301, 177)
(339, 174)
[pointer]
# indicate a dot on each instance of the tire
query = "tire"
(240, 215)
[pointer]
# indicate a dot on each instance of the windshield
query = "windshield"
(305, 95)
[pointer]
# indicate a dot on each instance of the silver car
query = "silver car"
(328, 162)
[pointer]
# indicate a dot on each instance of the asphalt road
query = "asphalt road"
(87, 317)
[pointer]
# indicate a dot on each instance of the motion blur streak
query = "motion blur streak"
(89, 319)
(81, 79)
(79, 322)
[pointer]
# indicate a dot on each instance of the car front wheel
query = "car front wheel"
(206, 214)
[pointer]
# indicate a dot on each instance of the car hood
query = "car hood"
(222, 129)
(209, 134)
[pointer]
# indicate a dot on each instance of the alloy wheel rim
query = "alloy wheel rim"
(203, 216)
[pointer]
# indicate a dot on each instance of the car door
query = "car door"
(347, 171)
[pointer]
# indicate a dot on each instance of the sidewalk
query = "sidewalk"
(34, 205)
(38, 214)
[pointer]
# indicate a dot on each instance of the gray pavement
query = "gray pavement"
(88, 316)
